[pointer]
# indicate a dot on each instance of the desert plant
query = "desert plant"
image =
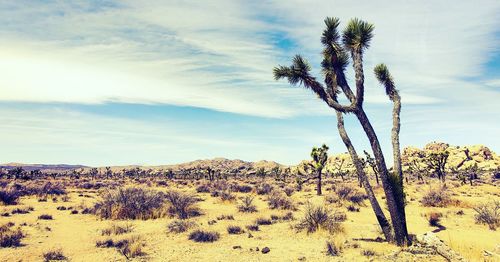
(204, 236)
(334, 248)
(129, 247)
(368, 253)
(9, 196)
(117, 229)
(235, 230)
(45, 217)
(489, 214)
(316, 217)
(253, 227)
(10, 237)
(263, 221)
(225, 217)
(130, 203)
(54, 255)
(247, 205)
(438, 197)
(263, 189)
(278, 200)
(336, 53)
(319, 156)
(179, 226)
(182, 205)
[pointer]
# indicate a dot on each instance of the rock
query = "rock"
(431, 240)
(236, 247)
(302, 258)
(265, 250)
(250, 235)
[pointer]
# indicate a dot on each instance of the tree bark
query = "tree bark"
(396, 125)
(381, 218)
(393, 191)
(318, 185)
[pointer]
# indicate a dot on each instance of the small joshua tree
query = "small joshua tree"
(436, 160)
(319, 156)
(371, 162)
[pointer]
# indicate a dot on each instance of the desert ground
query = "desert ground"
(153, 219)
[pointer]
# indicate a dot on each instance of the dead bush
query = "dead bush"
(9, 196)
(129, 247)
(489, 214)
(117, 229)
(130, 203)
(439, 197)
(235, 230)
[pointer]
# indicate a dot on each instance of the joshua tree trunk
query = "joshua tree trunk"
(318, 184)
(392, 187)
(381, 218)
(396, 125)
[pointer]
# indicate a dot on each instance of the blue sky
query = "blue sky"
(159, 82)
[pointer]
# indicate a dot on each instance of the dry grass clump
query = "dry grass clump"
(24, 210)
(241, 188)
(52, 189)
(263, 189)
(334, 248)
(129, 247)
(247, 205)
(54, 255)
(9, 196)
(235, 230)
(318, 217)
(204, 236)
(182, 205)
(180, 226)
(368, 253)
(225, 217)
(117, 229)
(278, 200)
(130, 203)
(489, 214)
(10, 237)
(439, 197)
(263, 221)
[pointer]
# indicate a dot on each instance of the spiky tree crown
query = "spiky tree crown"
(320, 156)
(357, 35)
(384, 77)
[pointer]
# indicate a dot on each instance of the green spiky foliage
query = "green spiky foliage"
(384, 77)
(357, 35)
(319, 156)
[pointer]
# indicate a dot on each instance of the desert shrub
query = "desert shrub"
(74, 212)
(263, 221)
(182, 205)
(349, 193)
(9, 196)
(247, 205)
(51, 189)
(45, 217)
(129, 247)
(368, 253)
(130, 203)
(54, 255)
(436, 198)
(204, 236)
(289, 191)
(226, 196)
(264, 189)
(285, 217)
(253, 227)
(203, 188)
(10, 237)
(235, 230)
(61, 208)
(316, 217)
(339, 216)
(489, 214)
(278, 200)
(179, 226)
(241, 188)
(24, 210)
(434, 218)
(117, 229)
(334, 248)
(225, 217)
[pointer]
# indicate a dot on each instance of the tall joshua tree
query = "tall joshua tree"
(338, 49)
(319, 156)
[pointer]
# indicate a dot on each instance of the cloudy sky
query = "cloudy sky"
(158, 82)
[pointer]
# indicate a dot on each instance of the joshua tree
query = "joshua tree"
(437, 161)
(319, 156)
(337, 50)
(371, 162)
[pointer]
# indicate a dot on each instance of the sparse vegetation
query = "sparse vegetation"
(438, 197)
(54, 255)
(117, 229)
(318, 217)
(488, 214)
(180, 226)
(204, 236)
(247, 205)
(10, 237)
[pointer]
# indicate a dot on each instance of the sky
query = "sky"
(106, 82)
